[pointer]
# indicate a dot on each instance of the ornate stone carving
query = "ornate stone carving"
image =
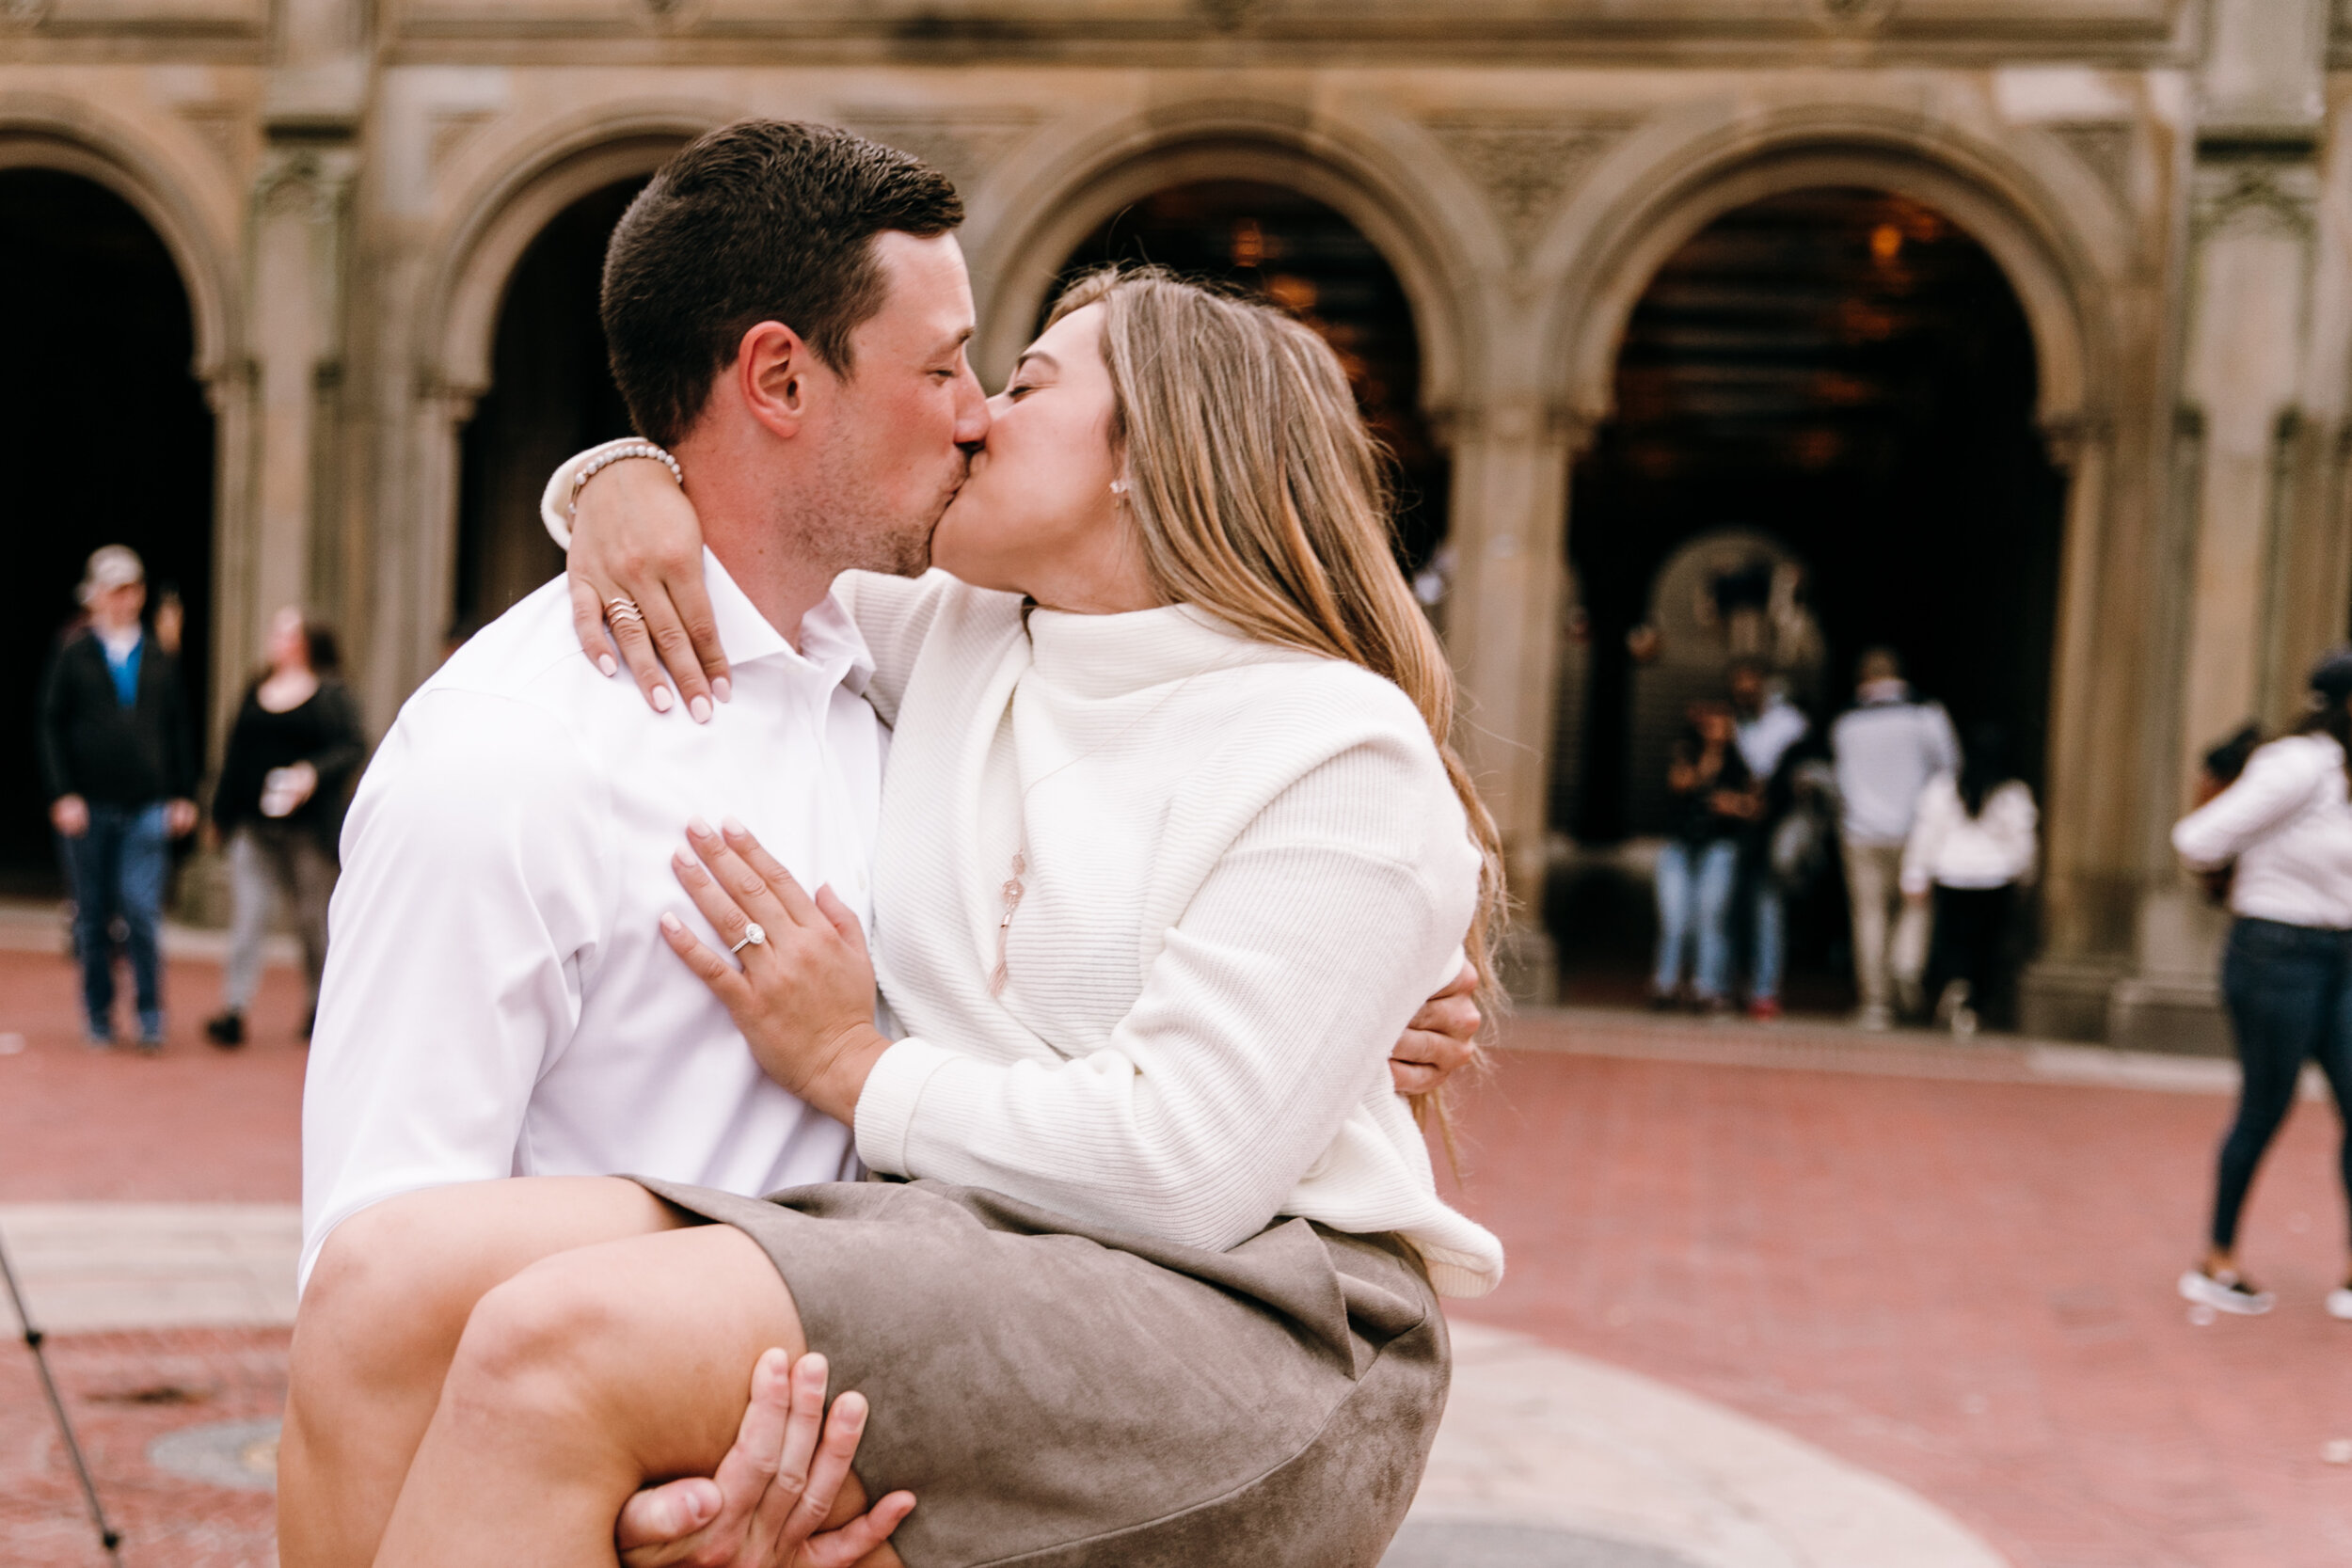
(962, 146)
(1526, 168)
(2254, 194)
(2106, 149)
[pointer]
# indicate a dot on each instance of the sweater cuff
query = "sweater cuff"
(886, 1106)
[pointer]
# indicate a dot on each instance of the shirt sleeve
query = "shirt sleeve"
(1929, 827)
(476, 872)
(1268, 1013)
(1942, 744)
(2278, 783)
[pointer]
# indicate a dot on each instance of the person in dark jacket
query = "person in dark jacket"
(292, 750)
(1715, 800)
(118, 756)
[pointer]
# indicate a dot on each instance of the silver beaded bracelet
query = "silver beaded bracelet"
(620, 453)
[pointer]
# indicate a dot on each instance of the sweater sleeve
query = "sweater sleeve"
(1265, 1015)
(57, 716)
(1928, 828)
(2278, 783)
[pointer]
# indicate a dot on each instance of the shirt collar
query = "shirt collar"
(117, 644)
(829, 641)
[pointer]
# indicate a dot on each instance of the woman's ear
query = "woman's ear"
(773, 369)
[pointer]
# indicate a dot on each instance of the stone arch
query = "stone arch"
(1043, 221)
(71, 139)
(1605, 257)
(499, 219)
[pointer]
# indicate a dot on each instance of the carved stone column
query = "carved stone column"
(1511, 459)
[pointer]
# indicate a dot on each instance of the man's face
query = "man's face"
(1747, 690)
(118, 607)
(895, 455)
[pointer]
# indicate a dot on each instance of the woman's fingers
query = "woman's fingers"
(588, 624)
(765, 894)
(698, 664)
(722, 977)
(627, 618)
(719, 905)
(671, 645)
(842, 917)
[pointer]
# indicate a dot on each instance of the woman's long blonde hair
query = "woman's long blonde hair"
(1260, 496)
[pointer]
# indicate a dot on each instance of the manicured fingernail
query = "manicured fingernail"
(723, 689)
(697, 828)
(672, 924)
(734, 828)
(661, 699)
(606, 663)
(700, 708)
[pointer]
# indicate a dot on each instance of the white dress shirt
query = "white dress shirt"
(2286, 823)
(498, 1000)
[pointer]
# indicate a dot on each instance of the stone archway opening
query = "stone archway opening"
(1306, 257)
(551, 394)
(1833, 389)
(101, 386)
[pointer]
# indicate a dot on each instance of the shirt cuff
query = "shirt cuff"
(555, 501)
(886, 1105)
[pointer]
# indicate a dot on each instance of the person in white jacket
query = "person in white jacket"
(2286, 973)
(1971, 848)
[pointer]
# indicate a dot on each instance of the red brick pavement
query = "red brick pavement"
(1964, 1285)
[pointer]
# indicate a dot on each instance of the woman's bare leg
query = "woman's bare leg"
(380, 1321)
(577, 1381)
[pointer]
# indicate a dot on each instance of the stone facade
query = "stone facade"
(347, 188)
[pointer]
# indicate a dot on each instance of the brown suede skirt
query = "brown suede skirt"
(1056, 1395)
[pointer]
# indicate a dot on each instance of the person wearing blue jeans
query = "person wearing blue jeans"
(2283, 834)
(1767, 726)
(1714, 797)
(120, 763)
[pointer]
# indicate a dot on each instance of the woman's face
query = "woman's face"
(289, 645)
(1038, 515)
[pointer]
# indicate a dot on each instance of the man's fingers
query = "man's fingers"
(588, 626)
(783, 1518)
(853, 1541)
(1413, 1077)
(663, 1515)
(1449, 1014)
(845, 1427)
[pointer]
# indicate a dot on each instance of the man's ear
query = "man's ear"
(778, 377)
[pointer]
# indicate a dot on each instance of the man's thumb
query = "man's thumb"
(666, 1514)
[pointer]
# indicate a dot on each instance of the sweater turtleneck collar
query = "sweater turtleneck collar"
(1113, 656)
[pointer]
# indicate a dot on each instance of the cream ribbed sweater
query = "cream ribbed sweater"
(1246, 871)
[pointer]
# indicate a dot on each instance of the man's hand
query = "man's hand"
(69, 815)
(767, 1504)
(180, 817)
(1441, 1039)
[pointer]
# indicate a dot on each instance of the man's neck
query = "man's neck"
(114, 631)
(735, 500)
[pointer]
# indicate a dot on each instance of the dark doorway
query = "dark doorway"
(551, 394)
(1845, 375)
(101, 395)
(1305, 257)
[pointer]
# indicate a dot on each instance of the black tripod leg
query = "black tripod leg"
(107, 1535)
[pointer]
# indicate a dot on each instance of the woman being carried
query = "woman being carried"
(1173, 846)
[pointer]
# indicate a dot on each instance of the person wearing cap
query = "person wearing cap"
(2286, 972)
(118, 756)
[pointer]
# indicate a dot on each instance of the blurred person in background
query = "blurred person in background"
(117, 757)
(293, 752)
(1767, 726)
(1715, 800)
(1972, 847)
(2286, 972)
(169, 623)
(1886, 748)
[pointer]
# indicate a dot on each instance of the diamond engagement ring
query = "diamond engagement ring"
(621, 609)
(752, 937)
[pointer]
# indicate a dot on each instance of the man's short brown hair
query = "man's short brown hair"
(761, 220)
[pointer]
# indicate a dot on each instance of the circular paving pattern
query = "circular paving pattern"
(1448, 1544)
(242, 1454)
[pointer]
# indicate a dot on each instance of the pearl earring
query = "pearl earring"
(1119, 487)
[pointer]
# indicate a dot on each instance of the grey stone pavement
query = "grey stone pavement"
(1546, 1458)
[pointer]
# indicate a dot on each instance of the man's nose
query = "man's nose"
(972, 416)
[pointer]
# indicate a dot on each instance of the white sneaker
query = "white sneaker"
(1963, 1023)
(2227, 1291)
(2340, 1303)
